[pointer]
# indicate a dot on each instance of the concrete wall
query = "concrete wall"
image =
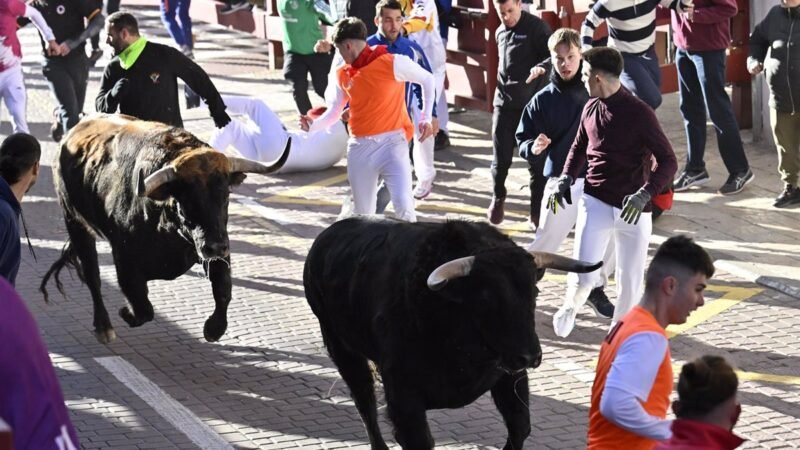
(761, 126)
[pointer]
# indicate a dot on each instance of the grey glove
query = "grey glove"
(632, 206)
(563, 193)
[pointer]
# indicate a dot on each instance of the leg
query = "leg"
(16, 99)
(504, 126)
(83, 245)
(537, 183)
(182, 11)
(642, 77)
(511, 396)
(632, 242)
(219, 272)
(395, 169)
(441, 102)
(711, 70)
(79, 70)
(407, 413)
(233, 134)
(363, 175)
(139, 310)
(693, 110)
(63, 90)
(296, 71)
(786, 132)
(554, 228)
(319, 67)
(423, 153)
(355, 371)
(168, 10)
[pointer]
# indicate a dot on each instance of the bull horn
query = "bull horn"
(155, 180)
(450, 270)
(546, 260)
(250, 166)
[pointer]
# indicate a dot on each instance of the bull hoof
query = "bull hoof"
(214, 329)
(105, 337)
(132, 320)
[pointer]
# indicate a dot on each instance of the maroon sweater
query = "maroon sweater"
(616, 137)
(709, 29)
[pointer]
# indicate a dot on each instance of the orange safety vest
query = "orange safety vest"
(604, 435)
(377, 98)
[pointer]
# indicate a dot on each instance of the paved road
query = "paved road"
(269, 384)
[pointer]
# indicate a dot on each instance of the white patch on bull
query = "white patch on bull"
(7, 57)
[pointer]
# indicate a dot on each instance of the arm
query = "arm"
(96, 21)
(657, 142)
(37, 19)
(719, 11)
(597, 15)
(407, 70)
(629, 383)
(576, 159)
(198, 80)
(529, 128)
(420, 15)
(335, 105)
(422, 60)
(758, 47)
(105, 102)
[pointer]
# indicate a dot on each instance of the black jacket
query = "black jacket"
(519, 49)
(10, 250)
(779, 33)
(152, 91)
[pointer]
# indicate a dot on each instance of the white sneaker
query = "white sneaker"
(564, 321)
(423, 189)
(347, 208)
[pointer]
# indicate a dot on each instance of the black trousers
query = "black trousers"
(504, 144)
(296, 69)
(67, 77)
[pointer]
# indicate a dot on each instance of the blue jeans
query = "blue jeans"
(642, 76)
(701, 83)
(181, 34)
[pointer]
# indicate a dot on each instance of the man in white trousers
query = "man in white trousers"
(12, 86)
(262, 137)
(617, 137)
(372, 81)
(546, 130)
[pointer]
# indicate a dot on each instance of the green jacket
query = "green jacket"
(301, 29)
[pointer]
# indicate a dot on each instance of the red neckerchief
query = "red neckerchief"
(367, 55)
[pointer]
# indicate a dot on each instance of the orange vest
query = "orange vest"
(377, 98)
(604, 434)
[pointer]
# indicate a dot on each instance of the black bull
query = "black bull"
(445, 311)
(159, 196)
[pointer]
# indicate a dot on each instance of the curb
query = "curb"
(770, 282)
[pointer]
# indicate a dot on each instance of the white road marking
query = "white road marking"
(178, 415)
(267, 213)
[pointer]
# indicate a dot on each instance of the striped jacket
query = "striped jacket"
(631, 23)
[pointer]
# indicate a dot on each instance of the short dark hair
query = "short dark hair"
(123, 19)
(681, 257)
(349, 28)
(388, 4)
(605, 59)
(18, 153)
(704, 384)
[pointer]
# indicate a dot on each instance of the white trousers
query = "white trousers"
(423, 151)
(12, 90)
(381, 156)
(554, 228)
(441, 101)
(598, 223)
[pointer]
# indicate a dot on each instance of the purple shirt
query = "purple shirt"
(31, 402)
(616, 137)
(709, 29)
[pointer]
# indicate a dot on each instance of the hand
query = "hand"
(536, 72)
(563, 193)
(63, 49)
(688, 11)
(435, 125)
(653, 163)
(540, 144)
(323, 46)
(305, 122)
(221, 119)
(755, 68)
(53, 49)
(120, 88)
(425, 131)
(632, 206)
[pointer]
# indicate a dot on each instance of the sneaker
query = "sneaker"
(564, 321)
(688, 179)
(441, 142)
(789, 196)
(599, 302)
(56, 129)
(423, 189)
(232, 7)
(95, 56)
(736, 183)
(496, 212)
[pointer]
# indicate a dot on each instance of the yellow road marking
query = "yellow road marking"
(731, 296)
(299, 191)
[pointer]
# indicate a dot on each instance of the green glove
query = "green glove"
(632, 206)
(563, 193)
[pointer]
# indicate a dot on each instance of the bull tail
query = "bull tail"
(68, 257)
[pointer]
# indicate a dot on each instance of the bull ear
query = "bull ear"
(250, 166)
(236, 178)
(544, 260)
(450, 270)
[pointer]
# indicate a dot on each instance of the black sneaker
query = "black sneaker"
(789, 196)
(95, 56)
(232, 7)
(736, 183)
(441, 142)
(600, 304)
(688, 179)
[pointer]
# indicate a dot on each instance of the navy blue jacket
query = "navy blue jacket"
(10, 250)
(556, 112)
(405, 46)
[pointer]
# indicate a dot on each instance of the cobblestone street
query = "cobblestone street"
(268, 383)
